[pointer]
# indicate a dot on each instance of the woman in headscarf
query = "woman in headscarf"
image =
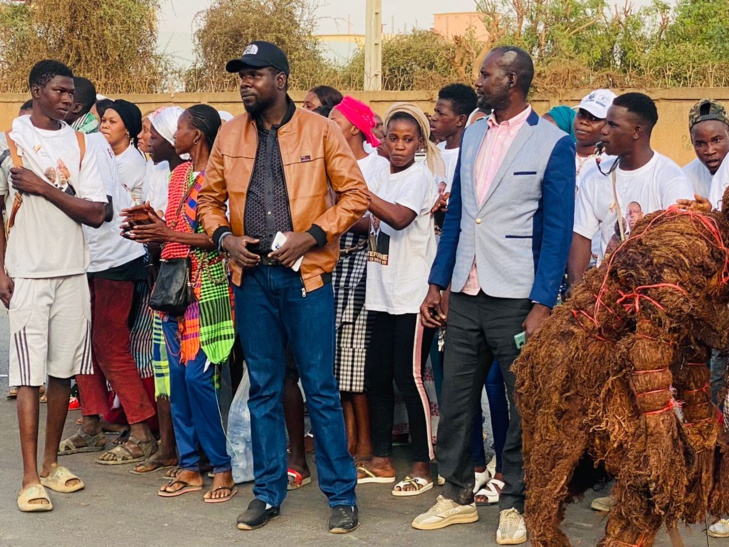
(163, 158)
(121, 124)
(201, 339)
(401, 250)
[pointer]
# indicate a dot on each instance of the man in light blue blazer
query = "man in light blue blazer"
(503, 251)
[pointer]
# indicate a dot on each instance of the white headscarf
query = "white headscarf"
(225, 115)
(164, 121)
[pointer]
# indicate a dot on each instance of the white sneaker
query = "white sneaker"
(444, 513)
(512, 528)
(603, 504)
(720, 529)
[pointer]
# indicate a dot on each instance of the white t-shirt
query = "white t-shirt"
(397, 272)
(375, 169)
(450, 158)
(157, 182)
(699, 176)
(132, 165)
(106, 247)
(655, 186)
(45, 242)
(719, 183)
(585, 165)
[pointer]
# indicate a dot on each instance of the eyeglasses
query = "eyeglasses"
(581, 113)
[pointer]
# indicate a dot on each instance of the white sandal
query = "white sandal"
(490, 492)
(481, 480)
(421, 485)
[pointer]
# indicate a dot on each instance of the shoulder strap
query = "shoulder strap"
(18, 201)
(13, 148)
(81, 138)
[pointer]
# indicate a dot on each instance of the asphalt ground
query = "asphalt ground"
(117, 508)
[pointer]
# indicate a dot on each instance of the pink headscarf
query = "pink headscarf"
(361, 116)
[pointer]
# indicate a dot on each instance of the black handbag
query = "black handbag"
(173, 292)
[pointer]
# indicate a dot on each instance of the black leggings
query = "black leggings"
(398, 350)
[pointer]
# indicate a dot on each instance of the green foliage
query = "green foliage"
(591, 43)
(420, 59)
(111, 42)
(228, 26)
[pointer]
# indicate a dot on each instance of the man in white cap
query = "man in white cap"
(589, 121)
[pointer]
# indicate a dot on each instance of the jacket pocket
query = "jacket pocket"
(509, 236)
(522, 173)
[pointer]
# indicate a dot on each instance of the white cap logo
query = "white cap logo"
(251, 50)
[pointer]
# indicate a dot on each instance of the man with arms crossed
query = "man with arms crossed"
(52, 186)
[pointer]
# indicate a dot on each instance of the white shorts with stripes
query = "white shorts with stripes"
(50, 329)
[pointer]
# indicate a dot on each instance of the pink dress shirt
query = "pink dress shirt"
(488, 162)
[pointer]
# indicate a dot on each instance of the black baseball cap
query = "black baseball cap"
(260, 54)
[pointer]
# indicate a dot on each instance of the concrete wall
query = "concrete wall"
(670, 136)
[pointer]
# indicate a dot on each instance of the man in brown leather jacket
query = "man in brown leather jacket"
(277, 169)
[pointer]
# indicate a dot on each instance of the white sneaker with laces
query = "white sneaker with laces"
(720, 529)
(444, 513)
(512, 528)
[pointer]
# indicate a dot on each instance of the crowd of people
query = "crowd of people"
(374, 263)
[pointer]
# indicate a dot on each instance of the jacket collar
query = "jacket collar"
(290, 110)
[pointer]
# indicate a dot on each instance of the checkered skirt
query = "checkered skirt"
(353, 323)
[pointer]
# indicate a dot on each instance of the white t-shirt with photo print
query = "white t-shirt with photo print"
(397, 271)
(45, 242)
(655, 186)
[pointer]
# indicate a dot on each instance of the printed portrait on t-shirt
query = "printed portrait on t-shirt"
(634, 213)
(378, 248)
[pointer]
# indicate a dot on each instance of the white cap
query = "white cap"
(598, 102)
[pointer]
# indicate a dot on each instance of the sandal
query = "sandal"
(150, 466)
(491, 492)
(129, 452)
(482, 479)
(185, 489)
(371, 477)
(297, 480)
(232, 492)
(34, 492)
(58, 481)
(421, 485)
(91, 443)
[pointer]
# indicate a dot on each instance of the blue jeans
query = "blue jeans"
(272, 309)
(196, 415)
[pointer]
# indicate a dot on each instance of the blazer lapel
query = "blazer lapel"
(522, 137)
(473, 139)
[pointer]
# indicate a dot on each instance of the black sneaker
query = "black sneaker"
(257, 515)
(344, 519)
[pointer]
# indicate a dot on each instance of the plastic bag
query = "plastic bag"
(240, 445)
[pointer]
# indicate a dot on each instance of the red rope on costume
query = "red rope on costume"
(704, 389)
(636, 295)
(697, 218)
(671, 404)
(695, 364)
